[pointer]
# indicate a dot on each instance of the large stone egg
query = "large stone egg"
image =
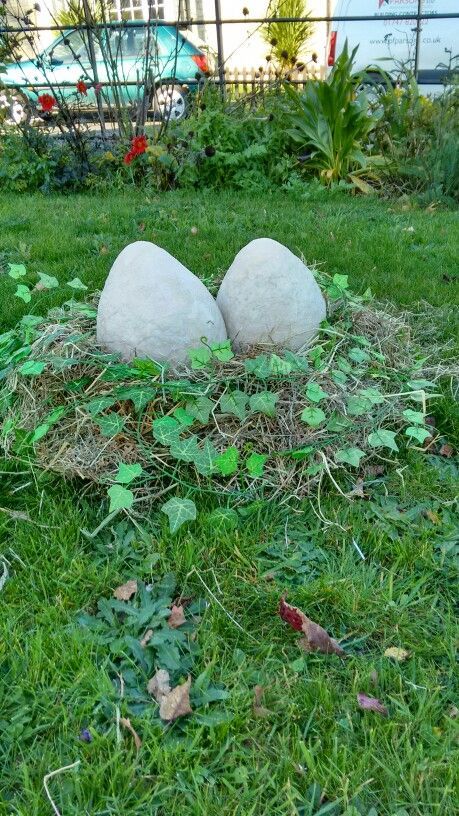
(269, 297)
(153, 307)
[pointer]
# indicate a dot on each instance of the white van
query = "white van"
(389, 43)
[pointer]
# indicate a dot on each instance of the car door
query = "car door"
(130, 56)
(68, 61)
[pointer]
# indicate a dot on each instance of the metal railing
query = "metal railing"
(219, 23)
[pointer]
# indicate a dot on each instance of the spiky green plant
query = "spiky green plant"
(287, 40)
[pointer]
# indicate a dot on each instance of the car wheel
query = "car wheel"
(170, 101)
(17, 107)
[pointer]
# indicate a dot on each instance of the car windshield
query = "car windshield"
(131, 42)
(73, 47)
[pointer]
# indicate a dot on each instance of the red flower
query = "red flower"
(81, 87)
(139, 145)
(46, 102)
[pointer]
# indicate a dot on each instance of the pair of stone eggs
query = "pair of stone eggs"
(153, 307)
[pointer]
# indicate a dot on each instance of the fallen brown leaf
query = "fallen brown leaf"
(372, 704)
(177, 617)
(315, 639)
(126, 723)
(447, 451)
(374, 470)
(433, 517)
(258, 708)
(125, 591)
(103, 249)
(358, 490)
(159, 686)
(177, 703)
(397, 654)
(146, 638)
(453, 712)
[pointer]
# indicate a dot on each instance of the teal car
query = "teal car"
(124, 54)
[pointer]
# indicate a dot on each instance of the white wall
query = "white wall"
(242, 43)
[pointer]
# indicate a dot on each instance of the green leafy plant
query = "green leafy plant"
(330, 123)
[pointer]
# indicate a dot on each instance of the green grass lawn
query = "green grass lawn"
(316, 752)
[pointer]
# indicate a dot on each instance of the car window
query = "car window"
(72, 48)
(131, 42)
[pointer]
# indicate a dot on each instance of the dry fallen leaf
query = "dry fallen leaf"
(447, 451)
(177, 703)
(433, 517)
(372, 704)
(177, 617)
(358, 490)
(103, 249)
(453, 712)
(396, 654)
(159, 686)
(374, 677)
(146, 638)
(258, 709)
(315, 639)
(125, 591)
(126, 723)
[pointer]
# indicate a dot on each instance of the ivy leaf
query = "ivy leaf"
(315, 393)
(358, 405)
(338, 423)
(184, 449)
(120, 498)
(165, 430)
(31, 368)
(201, 409)
(415, 417)
(41, 430)
(339, 377)
(255, 464)
(110, 425)
(297, 361)
(313, 416)
(99, 404)
(302, 453)
(222, 351)
(420, 385)
(47, 281)
(264, 403)
(383, 439)
(337, 289)
(349, 456)
(127, 473)
(372, 395)
(234, 402)
(23, 292)
(358, 355)
(204, 458)
(183, 417)
(259, 367)
(279, 366)
(224, 518)
(200, 357)
(17, 271)
(76, 283)
(227, 462)
(178, 512)
(139, 395)
(420, 434)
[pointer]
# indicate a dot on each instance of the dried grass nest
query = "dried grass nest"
(362, 347)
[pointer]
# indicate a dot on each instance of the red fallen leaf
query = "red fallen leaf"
(372, 704)
(146, 638)
(177, 617)
(447, 451)
(125, 591)
(142, 227)
(315, 639)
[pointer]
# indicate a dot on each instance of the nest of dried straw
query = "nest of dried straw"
(77, 373)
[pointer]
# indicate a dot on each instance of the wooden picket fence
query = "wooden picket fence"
(245, 81)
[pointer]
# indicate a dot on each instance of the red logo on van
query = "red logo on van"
(381, 2)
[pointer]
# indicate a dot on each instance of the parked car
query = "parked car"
(390, 43)
(122, 51)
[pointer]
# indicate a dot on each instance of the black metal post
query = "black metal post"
(221, 56)
(418, 40)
